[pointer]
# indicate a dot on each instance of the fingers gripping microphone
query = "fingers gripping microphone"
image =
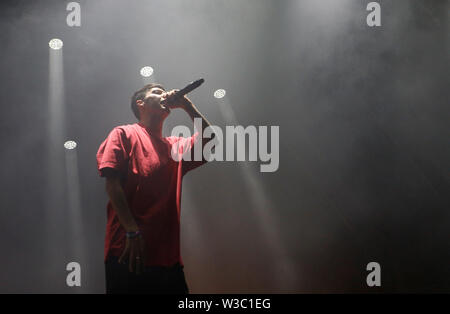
(184, 91)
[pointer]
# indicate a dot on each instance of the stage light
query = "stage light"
(286, 273)
(220, 93)
(55, 43)
(146, 71)
(70, 145)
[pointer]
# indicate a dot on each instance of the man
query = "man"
(143, 182)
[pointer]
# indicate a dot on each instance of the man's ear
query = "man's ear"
(140, 105)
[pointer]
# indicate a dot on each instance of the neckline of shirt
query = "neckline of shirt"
(163, 139)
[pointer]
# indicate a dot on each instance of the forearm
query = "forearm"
(120, 205)
(193, 113)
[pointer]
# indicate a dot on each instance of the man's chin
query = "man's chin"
(159, 114)
(165, 109)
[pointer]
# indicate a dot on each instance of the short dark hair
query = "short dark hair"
(140, 95)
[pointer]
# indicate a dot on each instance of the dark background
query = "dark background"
(364, 140)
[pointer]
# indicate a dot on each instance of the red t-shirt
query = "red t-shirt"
(151, 180)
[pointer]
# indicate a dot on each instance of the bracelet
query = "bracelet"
(133, 234)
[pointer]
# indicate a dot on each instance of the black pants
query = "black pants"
(154, 280)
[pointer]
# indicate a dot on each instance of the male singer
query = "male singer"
(143, 182)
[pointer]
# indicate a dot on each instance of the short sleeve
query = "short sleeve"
(114, 152)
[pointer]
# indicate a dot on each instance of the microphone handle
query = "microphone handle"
(190, 87)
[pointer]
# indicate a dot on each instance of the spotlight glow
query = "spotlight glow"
(70, 145)
(220, 93)
(55, 43)
(146, 71)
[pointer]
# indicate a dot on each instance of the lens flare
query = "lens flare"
(55, 43)
(220, 93)
(146, 71)
(70, 145)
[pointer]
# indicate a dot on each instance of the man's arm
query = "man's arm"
(119, 201)
(193, 112)
(134, 247)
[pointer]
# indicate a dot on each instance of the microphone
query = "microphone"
(189, 88)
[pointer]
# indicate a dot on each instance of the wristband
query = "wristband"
(133, 234)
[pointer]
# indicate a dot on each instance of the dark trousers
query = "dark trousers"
(154, 280)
